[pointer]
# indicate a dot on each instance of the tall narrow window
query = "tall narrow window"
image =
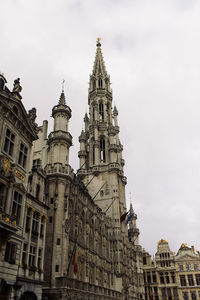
(16, 207)
(193, 295)
(94, 84)
(32, 252)
(37, 191)
(10, 253)
(22, 155)
(39, 258)
(100, 83)
(190, 280)
(162, 278)
(28, 219)
(93, 154)
(35, 223)
(102, 150)
(93, 114)
(9, 142)
(24, 254)
(101, 112)
(185, 296)
(197, 276)
(2, 195)
(42, 227)
(183, 280)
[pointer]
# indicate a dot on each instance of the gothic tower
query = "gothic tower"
(101, 162)
(59, 176)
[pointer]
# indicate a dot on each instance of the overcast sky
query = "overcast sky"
(152, 53)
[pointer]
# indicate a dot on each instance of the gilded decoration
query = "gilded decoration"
(19, 175)
(6, 166)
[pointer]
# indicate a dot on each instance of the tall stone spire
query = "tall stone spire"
(100, 148)
(99, 68)
(62, 99)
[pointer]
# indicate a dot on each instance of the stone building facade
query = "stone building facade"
(170, 275)
(85, 207)
(65, 235)
(187, 262)
(23, 211)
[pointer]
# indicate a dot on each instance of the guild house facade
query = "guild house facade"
(73, 236)
(172, 276)
(23, 209)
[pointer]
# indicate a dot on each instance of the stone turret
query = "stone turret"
(60, 140)
(133, 231)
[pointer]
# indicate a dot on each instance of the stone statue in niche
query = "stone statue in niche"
(66, 226)
(16, 86)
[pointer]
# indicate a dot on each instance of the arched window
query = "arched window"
(100, 83)
(102, 150)
(101, 112)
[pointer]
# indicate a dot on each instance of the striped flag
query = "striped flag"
(75, 259)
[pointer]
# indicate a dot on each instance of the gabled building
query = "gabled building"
(187, 263)
(170, 275)
(21, 248)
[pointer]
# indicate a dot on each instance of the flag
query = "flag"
(75, 259)
(123, 217)
(130, 216)
(150, 292)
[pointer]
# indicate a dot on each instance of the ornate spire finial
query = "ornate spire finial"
(63, 85)
(98, 42)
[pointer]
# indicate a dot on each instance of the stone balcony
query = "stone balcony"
(58, 168)
(8, 225)
(80, 288)
(60, 135)
(100, 168)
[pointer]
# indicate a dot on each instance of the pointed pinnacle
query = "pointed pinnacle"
(62, 99)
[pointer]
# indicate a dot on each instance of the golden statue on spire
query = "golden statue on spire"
(98, 41)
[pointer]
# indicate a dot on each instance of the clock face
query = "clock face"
(6, 166)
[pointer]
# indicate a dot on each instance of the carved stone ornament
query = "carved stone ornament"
(32, 114)
(17, 88)
(6, 168)
(67, 225)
